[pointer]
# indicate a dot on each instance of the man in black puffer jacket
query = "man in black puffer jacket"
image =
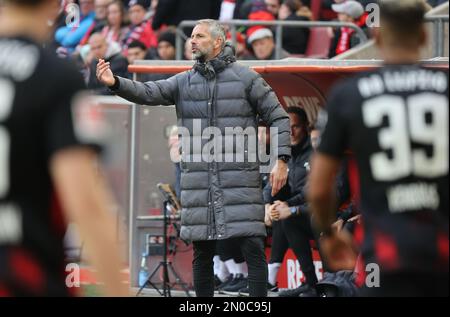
(221, 198)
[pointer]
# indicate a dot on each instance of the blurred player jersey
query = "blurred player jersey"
(39, 94)
(395, 121)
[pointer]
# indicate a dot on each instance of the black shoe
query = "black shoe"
(245, 292)
(239, 282)
(228, 280)
(294, 292)
(272, 288)
(310, 292)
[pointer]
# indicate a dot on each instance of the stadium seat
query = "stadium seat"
(319, 43)
(316, 6)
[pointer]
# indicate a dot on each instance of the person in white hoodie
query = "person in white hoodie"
(110, 52)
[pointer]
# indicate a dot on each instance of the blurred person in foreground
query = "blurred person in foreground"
(47, 162)
(395, 122)
(221, 199)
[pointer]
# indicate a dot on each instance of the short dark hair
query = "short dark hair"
(404, 18)
(301, 114)
(293, 5)
(137, 43)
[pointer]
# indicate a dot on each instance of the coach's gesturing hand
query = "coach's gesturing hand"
(104, 73)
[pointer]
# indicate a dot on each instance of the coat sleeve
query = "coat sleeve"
(152, 93)
(266, 104)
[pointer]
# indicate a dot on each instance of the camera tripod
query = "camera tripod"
(165, 265)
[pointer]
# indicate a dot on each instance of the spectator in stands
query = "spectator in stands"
(136, 51)
(295, 40)
(140, 28)
(344, 37)
(99, 21)
(227, 10)
(69, 36)
(115, 29)
(110, 52)
(165, 51)
(166, 45)
(263, 45)
(242, 9)
(172, 12)
(241, 47)
(273, 6)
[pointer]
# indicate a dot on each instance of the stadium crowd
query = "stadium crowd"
(121, 31)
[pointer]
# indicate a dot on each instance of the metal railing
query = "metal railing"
(278, 30)
(438, 33)
(437, 20)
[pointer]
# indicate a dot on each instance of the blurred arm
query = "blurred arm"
(85, 201)
(322, 195)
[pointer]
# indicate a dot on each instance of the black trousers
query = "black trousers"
(253, 250)
(298, 232)
(229, 249)
(280, 244)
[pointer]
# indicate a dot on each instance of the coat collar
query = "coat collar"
(218, 64)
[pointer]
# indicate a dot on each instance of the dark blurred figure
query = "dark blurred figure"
(295, 40)
(273, 6)
(166, 45)
(172, 12)
(50, 137)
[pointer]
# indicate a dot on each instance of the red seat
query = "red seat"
(319, 42)
(316, 6)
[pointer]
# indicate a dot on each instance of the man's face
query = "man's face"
(273, 6)
(137, 14)
(284, 12)
(134, 54)
(100, 9)
(98, 47)
(202, 42)
(166, 51)
(315, 138)
(343, 17)
(298, 129)
(263, 48)
(114, 15)
(86, 6)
